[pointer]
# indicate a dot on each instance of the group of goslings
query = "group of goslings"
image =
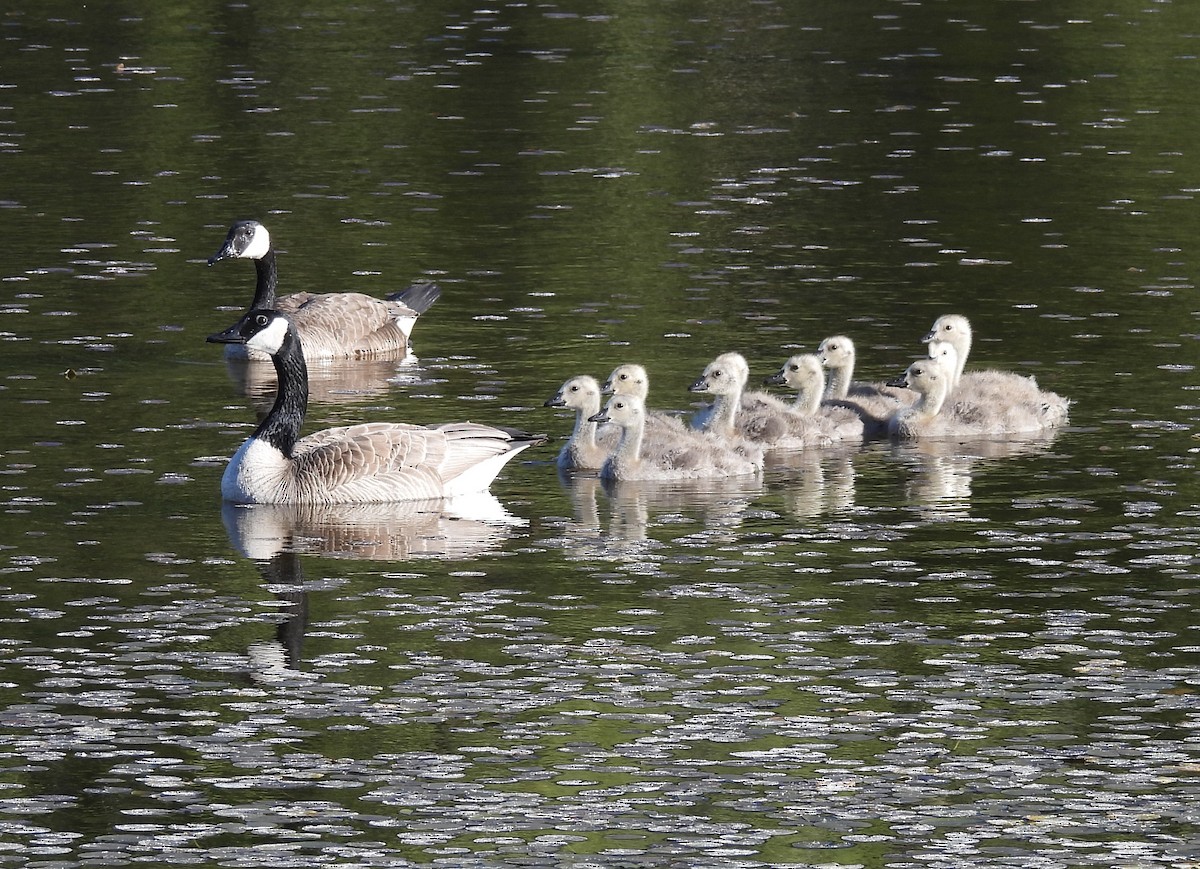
(935, 397)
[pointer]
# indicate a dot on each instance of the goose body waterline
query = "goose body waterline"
(1019, 394)
(804, 373)
(331, 325)
(370, 462)
(685, 455)
(758, 417)
(940, 411)
(876, 402)
(586, 449)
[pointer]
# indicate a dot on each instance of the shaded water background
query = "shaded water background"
(941, 655)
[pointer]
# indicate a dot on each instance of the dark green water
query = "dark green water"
(888, 656)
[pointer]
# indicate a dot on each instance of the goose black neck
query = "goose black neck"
(281, 428)
(268, 277)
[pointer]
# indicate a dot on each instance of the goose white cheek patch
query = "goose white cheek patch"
(270, 339)
(259, 244)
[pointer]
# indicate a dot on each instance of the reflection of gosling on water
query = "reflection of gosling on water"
(951, 334)
(371, 462)
(936, 414)
(331, 325)
(834, 419)
(684, 455)
(755, 416)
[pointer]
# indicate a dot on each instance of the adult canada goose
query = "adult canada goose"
(371, 462)
(584, 450)
(331, 325)
(875, 401)
(991, 387)
(685, 455)
(805, 374)
(756, 416)
(936, 414)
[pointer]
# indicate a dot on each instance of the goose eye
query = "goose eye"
(260, 320)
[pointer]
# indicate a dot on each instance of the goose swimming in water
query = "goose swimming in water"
(331, 325)
(755, 416)
(371, 462)
(936, 414)
(586, 449)
(684, 455)
(875, 401)
(804, 373)
(997, 389)
(631, 379)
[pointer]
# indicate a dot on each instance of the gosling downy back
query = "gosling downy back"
(875, 402)
(756, 416)
(630, 378)
(331, 325)
(804, 373)
(684, 455)
(940, 413)
(1007, 390)
(371, 462)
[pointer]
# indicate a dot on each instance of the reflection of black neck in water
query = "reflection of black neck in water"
(282, 572)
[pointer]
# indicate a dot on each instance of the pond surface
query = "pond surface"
(941, 654)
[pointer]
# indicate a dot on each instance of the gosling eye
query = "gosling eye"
(795, 367)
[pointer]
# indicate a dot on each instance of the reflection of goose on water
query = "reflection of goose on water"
(943, 470)
(370, 462)
(937, 414)
(452, 529)
(338, 381)
(331, 325)
(951, 338)
(278, 660)
(756, 416)
(719, 503)
(833, 419)
(671, 456)
(816, 482)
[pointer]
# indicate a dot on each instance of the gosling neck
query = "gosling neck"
(929, 402)
(840, 376)
(808, 400)
(724, 412)
(629, 449)
(583, 436)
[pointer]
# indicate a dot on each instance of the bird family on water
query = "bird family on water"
(620, 439)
